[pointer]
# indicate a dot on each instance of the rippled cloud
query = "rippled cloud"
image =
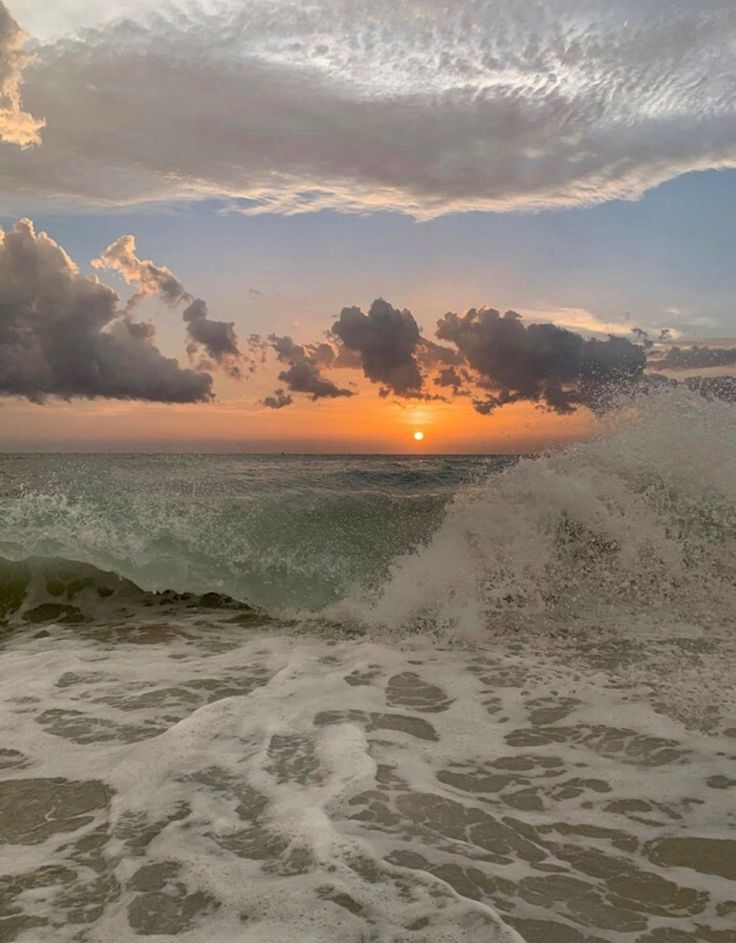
(419, 107)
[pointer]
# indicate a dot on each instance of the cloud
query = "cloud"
(495, 359)
(53, 20)
(278, 400)
(277, 105)
(63, 334)
(492, 358)
(694, 358)
(430, 354)
(151, 279)
(303, 374)
(542, 363)
(387, 341)
(217, 338)
(456, 380)
(16, 126)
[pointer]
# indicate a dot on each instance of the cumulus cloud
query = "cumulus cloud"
(63, 333)
(387, 341)
(217, 338)
(542, 363)
(16, 125)
(279, 399)
(494, 359)
(453, 379)
(303, 373)
(151, 279)
(354, 104)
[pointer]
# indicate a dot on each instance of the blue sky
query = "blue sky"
(666, 259)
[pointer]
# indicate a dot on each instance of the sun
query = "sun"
(418, 436)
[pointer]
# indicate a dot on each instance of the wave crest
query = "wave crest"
(43, 589)
(635, 528)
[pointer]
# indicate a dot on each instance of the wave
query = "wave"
(636, 530)
(283, 532)
(40, 590)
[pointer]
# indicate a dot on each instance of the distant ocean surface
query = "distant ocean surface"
(347, 699)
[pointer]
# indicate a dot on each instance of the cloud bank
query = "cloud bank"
(63, 333)
(495, 359)
(420, 107)
(16, 125)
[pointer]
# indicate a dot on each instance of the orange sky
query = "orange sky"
(362, 423)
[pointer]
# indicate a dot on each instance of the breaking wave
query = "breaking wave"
(287, 533)
(637, 527)
(67, 592)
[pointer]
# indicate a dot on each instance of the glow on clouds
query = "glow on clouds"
(421, 107)
(17, 127)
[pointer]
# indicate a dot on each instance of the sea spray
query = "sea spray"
(639, 522)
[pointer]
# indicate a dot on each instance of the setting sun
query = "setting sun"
(418, 436)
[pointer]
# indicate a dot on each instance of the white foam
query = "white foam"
(267, 800)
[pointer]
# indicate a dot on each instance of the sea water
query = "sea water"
(337, 699)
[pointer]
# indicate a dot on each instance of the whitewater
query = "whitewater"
(356, 699)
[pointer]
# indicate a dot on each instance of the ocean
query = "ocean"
(356, 699)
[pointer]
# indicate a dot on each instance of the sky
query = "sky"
(279, 226)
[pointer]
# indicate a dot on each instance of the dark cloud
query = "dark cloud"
(347, 359)
(279, 399)
(303, 374)
(16, 126)
(387, 341)
(63, 334)
(495, 359)
(453, 379)
(217, 338)
(431, 355)
(542, 363)
(492, 358)
(694, 358)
